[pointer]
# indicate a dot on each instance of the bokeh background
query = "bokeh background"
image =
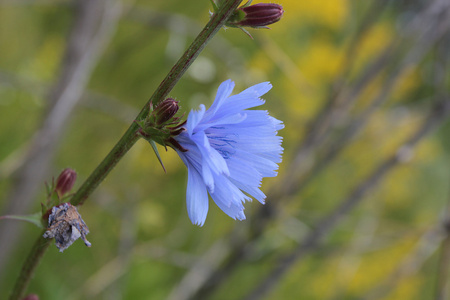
(359, 209)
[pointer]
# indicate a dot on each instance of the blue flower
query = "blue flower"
(229, 150)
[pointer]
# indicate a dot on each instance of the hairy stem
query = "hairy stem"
(130, 137)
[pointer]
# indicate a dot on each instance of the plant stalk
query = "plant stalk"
(129, 138)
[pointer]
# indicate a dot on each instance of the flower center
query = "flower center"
(223, 144)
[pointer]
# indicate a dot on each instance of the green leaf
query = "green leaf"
(34, 218)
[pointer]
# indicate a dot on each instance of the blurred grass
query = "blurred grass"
(137, 217)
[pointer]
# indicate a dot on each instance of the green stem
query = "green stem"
(130, 137)
(36, 253)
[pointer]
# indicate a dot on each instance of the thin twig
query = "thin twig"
(425, 248)
(425, 37)
(442, 64)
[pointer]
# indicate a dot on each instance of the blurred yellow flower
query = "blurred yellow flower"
(330, 13)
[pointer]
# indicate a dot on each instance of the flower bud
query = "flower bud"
(256, 16)
(65, 181)
(161, 125)
(165, 111)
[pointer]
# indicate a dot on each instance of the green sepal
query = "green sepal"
(146, 135)
(236, 17)
(155, 149)
(36, 219)
(245, 31)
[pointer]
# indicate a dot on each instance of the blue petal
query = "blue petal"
(212, 161)
(264, 166)
(258, 89)
(223, 92)
(229, 198)
(235, 104)
(194, 118)
(225, 120)
(242, 171)
(276, 123)
(255, 192)
(196, 198)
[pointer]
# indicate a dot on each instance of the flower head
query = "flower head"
(229, 150)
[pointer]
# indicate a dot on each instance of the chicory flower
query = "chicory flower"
(228, 149)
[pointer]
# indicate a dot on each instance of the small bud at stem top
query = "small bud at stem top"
(257, 16)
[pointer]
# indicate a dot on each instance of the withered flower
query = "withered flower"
(66, 226)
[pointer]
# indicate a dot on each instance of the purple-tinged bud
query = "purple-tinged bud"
(165, 111)
(65, 181)
(256, 16)
(161, 124)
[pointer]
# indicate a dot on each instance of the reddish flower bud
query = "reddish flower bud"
(258, 15)
(65, 181)
(165, 111)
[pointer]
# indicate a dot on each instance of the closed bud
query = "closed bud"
(165, 111)
(256, 16)
(65, 181)
(161, 123)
